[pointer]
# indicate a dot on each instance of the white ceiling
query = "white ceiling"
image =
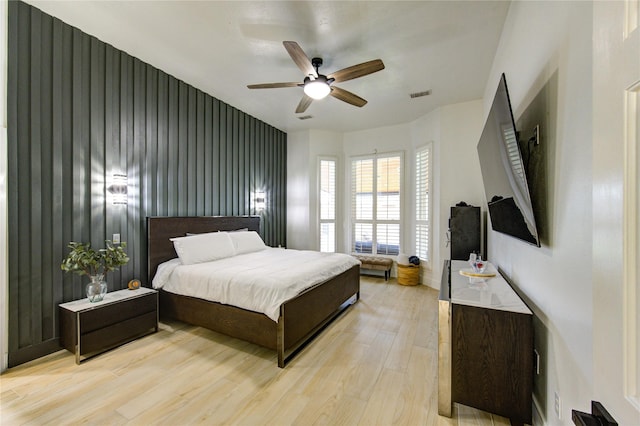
(221, 46)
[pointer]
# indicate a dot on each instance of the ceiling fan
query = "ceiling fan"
(316, 85)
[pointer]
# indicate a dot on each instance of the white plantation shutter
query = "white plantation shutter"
(328, 237)
(363, 237)
(362, 189)
(375, 204)
(388, 188)
(327, 177)
(423, 162)
(388, 238)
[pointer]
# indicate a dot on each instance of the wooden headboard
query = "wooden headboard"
(161, 229)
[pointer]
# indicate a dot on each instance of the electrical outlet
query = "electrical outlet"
(536, 361)
(558, 405)
(116, 239)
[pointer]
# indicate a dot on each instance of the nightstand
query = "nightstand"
(88, 329)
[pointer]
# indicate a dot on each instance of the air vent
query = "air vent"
(305, 117)
(420, 94)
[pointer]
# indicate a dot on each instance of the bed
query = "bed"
(300, 318)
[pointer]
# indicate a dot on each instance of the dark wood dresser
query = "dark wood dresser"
(87, 329)
(485, 346)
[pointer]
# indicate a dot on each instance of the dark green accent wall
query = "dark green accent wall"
(80, 110)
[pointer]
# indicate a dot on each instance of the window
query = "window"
(375, 204)
(327, 205)
(423, 177)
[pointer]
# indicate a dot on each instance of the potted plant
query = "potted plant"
(84, 260)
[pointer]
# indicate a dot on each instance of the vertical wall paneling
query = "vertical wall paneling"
(228, 176)
(207, 155)
(189, 159)
(57, 221)
(161, 198)
(172, 143)
(37, 127)
(13, 21)
(222, 157)
(24, 160)
(79, 111)
(200, 198)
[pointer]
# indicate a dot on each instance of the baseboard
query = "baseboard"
(30, 353)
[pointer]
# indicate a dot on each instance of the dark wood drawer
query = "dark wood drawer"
(117, 334)
(492, 361)
(102, 317)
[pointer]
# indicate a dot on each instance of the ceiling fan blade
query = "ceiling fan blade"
(304, 104)
(346, 96)
(300, 58)
(356, 71)
(272, 85)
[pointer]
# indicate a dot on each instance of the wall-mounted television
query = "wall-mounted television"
(503, 173)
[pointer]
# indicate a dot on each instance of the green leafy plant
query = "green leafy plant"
(84, 260)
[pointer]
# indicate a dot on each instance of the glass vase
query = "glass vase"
(97, 288)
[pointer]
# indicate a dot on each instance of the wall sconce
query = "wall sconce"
(118, 188)
(260, 200)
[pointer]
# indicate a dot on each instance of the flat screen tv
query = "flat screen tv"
(503, 173)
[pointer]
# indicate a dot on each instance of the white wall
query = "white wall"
(453, 132)
(324, 144)
(426, 130)
(459, 177)
(540, 40)
(298, 190)
(303, 150)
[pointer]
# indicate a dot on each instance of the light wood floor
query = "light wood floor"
(375, 365)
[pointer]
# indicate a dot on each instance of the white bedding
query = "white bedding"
(259, 281)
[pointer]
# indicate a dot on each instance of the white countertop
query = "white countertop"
(492, 293)
(114, 296)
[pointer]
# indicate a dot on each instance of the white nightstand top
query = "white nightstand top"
(115, 296)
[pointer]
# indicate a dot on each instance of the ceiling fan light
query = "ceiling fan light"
(317, 89)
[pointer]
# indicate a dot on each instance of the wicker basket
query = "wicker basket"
(408, 274)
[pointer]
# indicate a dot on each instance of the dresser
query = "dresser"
(485, 346)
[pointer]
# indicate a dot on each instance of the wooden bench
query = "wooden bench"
(377, 263)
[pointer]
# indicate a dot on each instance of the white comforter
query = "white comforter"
(259, 281)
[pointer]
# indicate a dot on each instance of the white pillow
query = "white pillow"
(203, 247)
(247, 242)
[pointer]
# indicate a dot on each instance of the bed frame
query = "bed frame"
(301, 318)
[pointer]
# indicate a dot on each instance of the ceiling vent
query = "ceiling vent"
(305, 117)
(420, 94)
